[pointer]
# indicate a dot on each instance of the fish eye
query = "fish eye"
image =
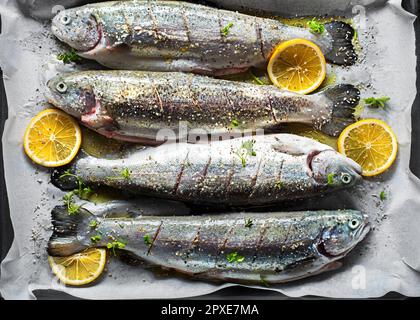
(354, 223)
(346, 178)
(61, 87)
(65, 19)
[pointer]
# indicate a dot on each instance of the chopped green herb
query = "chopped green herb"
(279, 184)
(121, 225)
(115, 245)
(225, 31)
(248, 223)
(96, 238)
(315, 26)
(82, 191)
(234, 123)
(376, 102)
(256, 79)
(147, 240)
(70, 56)
(330, 178)
(68, 200)
(246, 149)
(249, 147)
(68, 173)
(235, 257)
(85, 193)
(263, 281)
(126, 173)
(382, 196)
(73, 208)
(93, 223)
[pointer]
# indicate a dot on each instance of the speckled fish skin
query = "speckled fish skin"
(135, 106)
(283, 167)
(276, 247)
(180, 36)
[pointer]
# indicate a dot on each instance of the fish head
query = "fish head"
(74, 93)
(341, 233)
(69, 93)
(334, 169)
(78, 28)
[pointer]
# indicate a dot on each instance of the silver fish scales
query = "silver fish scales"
(248, 248)
(179, 36)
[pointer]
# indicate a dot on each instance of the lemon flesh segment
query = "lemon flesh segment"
(52, 138)
(81, 268)
(297, 65)
(371, 143)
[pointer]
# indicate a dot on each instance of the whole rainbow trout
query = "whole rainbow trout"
(246, 248)
(136, 106)
(180, 36)
(245, 171)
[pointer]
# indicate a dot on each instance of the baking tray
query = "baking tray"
(237, 292)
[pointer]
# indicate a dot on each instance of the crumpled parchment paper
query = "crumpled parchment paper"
(388, 260)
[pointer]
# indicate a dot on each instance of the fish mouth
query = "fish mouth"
(358, 237)
(322, 250)
(363, 230)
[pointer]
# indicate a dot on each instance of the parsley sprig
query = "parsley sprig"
(248, 223)
(234, 257)
(225, 30)
(68, 200)
(126, 174)
(70, 56)
(315, 26)
(82, 191)
(147, 240)
(115, 245)
(96, 238)
(330, 178)
(234, 123)
(278, 184)
(258, 80)
(377, 102)
(246, 149)
(382, 196)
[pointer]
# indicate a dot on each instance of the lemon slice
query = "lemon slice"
(81, 268)
(371, 143)
(297, 65)
(52, 138)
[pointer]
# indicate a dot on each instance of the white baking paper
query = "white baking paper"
(388, 260)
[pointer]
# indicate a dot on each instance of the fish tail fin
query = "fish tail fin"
(342, 51)
(68, 230)
(344, 99)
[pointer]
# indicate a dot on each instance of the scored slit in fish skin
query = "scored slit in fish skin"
(247, 171)
(246, 248)
(180, 36)
(135, 105)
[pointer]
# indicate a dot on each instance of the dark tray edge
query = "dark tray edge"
(6, 229)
